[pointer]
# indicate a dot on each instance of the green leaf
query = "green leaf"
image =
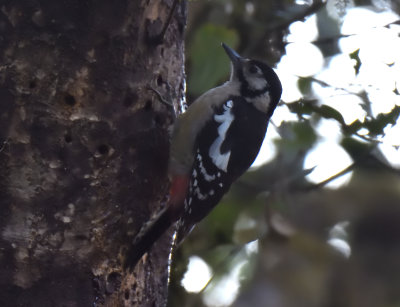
(378, 124)
(304, 85)
(305, 134)
(354, 148)
(329, 112)
(209, 63)
(355, 56)
(302, 106)
(353, 127)
(296, 136)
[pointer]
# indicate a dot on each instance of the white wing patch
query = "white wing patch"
(200, 195)
(219, 159)
(203, 170)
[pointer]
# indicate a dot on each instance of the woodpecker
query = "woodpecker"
(213, 143)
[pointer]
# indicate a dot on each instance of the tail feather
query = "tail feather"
(148, 234)
(152, 230)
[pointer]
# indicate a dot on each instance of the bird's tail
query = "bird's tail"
(150, 232)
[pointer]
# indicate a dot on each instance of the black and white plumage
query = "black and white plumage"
(226, 138)
(213, 143)
(226, 147)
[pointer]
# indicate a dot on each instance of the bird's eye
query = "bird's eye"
(254, 69)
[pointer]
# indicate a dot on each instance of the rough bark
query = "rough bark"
(83, 148)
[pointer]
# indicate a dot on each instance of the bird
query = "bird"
(213, 143)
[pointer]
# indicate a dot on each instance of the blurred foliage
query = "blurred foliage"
(355, 56)
(209, 70)
(213, 22)
(293, 219)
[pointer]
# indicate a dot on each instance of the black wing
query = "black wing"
(225, 149)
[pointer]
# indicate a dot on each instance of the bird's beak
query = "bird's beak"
(233, 55)
(235, 59)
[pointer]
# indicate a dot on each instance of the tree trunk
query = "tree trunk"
(84, 148)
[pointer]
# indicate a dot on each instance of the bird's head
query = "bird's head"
(258, 82)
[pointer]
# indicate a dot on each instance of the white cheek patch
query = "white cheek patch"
(219, 159)
(257, 83)
(261, 102)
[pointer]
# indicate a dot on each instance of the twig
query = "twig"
(160, 97)
(313, 8)
(364, 138)
(219, 268)
(326, 181)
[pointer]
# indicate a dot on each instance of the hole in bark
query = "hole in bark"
(113, 277)
(69, 100)
(68, 138)
(113, 282)
(32, 84)
(103, 149)
(126, 294)
(148, 106)
(159, 80)
(80, 237)
(130, 99)
(158, 119)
